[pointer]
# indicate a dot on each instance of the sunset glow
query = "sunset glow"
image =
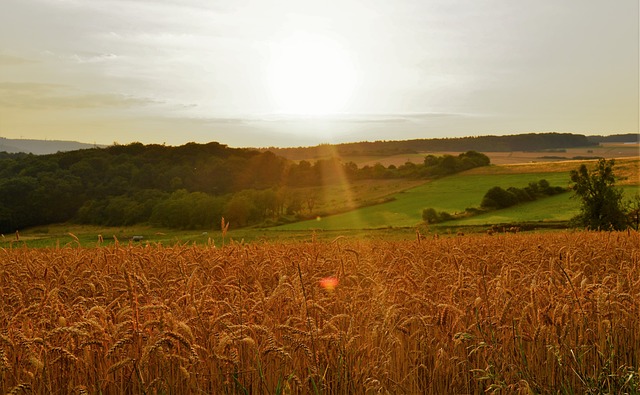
(300, 73)
(310, 75)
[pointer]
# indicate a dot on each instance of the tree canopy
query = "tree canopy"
(602, 207)
(184, 187)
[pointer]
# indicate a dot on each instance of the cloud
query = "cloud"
(42, 96)
(93, 58)
(10, 60)
(181, 70)
(347, 118)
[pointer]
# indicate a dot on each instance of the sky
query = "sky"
(256, 73)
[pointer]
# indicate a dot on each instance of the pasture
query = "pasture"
(460, 191)
(509, 313)
(451, 194)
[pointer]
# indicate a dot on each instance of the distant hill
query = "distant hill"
(509, 143)
(616, 138)
(41, 147)
(519, 142)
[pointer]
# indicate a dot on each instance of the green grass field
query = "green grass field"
(451, 194)
(454, 194)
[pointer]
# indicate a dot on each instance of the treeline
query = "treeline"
(519, 142)
(616, 138)
(190, 186)
(498, 198)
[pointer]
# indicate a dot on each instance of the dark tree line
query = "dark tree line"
(519, 142)
(189, 186)
(498, 198)
(616, 138)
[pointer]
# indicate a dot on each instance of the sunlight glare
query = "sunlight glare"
(310, 75)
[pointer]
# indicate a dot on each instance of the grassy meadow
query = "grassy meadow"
(457, 192)
(509, 313)
(451, 194)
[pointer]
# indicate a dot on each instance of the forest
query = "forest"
(189, 187)
(519, 142)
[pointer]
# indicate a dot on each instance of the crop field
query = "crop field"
(510, 313)
(604, 150)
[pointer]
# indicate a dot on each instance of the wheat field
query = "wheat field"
(508, 313)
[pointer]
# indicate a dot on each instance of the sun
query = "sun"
(310, 75)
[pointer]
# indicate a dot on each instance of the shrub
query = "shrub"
(498, 198)
(430, 216)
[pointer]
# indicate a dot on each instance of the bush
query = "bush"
(498, 198)
(430, 216)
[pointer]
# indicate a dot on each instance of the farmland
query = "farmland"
(604, 150)
(457, 192)
(541, 313)
(451, 194)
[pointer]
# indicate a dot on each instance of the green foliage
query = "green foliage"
(187, 210)
(123, 210)
(633, 208)
(449, 164)
(519, 142)
(135, 183)
(28, 200)
(431, 216)
(499, 198)
(602, 207)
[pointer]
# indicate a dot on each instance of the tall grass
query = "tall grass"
(512, 313)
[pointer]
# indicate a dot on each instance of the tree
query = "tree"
(448, 165)
(430, 216)
(602, 207)
(240, 210)
(634, 211)
(498, 198)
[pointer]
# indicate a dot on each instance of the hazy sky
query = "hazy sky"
(287, 73)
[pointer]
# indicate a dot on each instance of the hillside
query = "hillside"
(520, 142)
(509, 143)
(41, 147)
(616, 138)
(194, 185)
(190, 186)
(458, 192)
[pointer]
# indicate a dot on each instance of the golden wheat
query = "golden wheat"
(525, 313)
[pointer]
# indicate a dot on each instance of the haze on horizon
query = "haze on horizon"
(298, 72)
